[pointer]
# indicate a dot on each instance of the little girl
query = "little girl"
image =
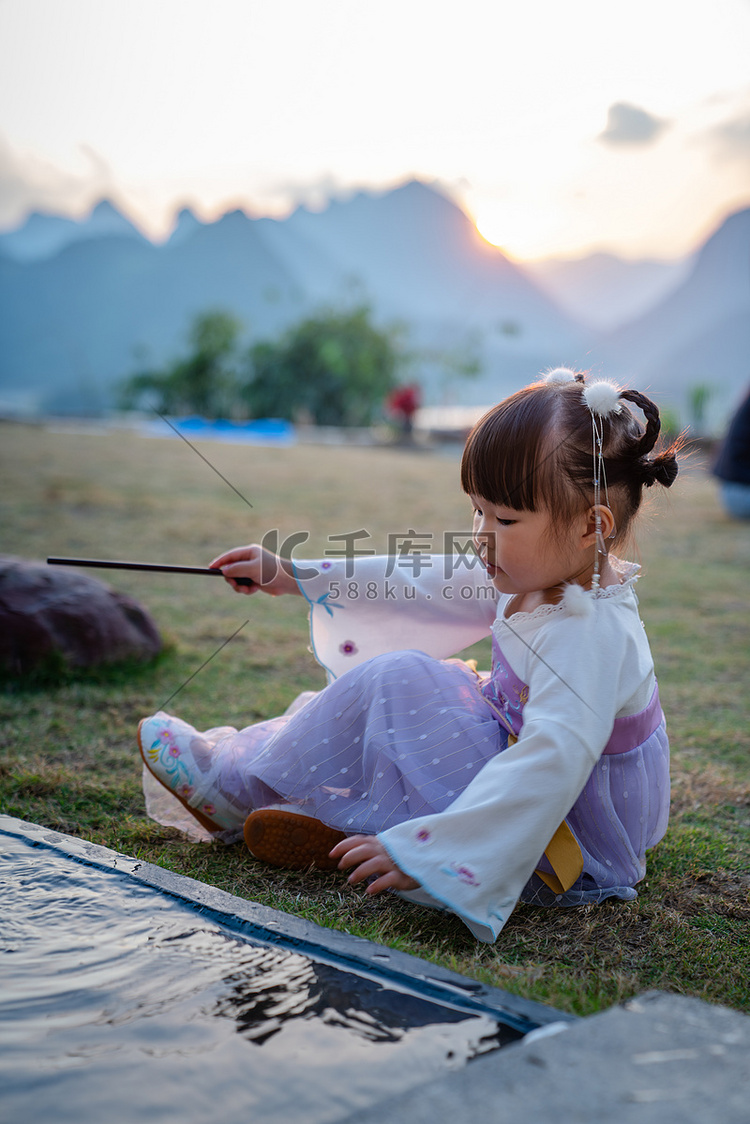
(545, 780)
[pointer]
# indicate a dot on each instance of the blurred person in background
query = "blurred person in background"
(732, 465)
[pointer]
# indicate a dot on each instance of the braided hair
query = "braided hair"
(661, 468)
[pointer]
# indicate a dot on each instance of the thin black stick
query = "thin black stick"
(200, 454)
(153, 566)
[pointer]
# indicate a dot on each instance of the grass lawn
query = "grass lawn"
(68, 757)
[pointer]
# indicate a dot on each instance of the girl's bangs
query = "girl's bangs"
(501, 464)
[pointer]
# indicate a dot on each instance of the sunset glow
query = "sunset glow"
(518, 232)
(619, 129)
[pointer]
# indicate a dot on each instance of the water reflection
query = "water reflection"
(155, 1006)
(277, 986)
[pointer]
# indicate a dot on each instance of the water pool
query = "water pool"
(119, 1001)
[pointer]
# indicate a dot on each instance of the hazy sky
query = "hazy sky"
(561, 126)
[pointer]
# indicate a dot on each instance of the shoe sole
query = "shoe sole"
(202, 819)
(290, 840)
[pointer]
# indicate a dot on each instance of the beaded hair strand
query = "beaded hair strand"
(628, 464)
(603, 401)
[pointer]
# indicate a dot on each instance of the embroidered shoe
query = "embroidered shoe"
(173, 764)
(291, 840)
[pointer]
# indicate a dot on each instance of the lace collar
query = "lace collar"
(575, 600)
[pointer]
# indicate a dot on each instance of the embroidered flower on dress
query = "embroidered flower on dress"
(209, 809)
(326, 565)
(174, 751)
(348, 648)
(462, 873)
(185, 790)
(423, 835)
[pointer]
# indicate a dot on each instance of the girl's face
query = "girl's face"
(524, 554)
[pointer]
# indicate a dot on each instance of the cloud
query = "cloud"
(731, 139)
(29, 182)
(630, 125)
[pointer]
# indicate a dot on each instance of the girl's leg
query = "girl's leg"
(396, 737)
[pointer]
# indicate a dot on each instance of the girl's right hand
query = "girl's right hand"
(266, 571)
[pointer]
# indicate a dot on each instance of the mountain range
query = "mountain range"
(85, 303)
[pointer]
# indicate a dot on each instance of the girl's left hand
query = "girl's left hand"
(369, 856)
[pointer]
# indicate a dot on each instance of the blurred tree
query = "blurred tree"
(670, 423)
(336, 368)
(204, 383)
(699, 396)
(453, 365)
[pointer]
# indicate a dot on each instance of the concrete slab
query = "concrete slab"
(657, 1059)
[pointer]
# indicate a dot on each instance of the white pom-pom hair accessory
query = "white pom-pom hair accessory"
(577, 601)
(560, 375)
(603, 398)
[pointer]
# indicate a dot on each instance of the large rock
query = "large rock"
(55, 617)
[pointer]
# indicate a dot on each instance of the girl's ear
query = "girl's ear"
(607, 525)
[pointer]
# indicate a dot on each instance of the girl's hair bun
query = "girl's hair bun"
(661, 469)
